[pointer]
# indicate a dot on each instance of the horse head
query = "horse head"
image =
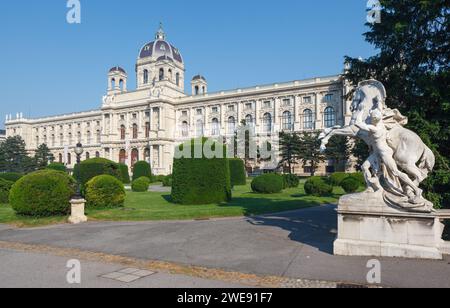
(370, 95)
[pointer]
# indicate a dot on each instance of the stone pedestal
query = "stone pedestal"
(77, 211)
(369, 227)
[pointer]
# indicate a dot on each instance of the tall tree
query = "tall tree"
(13, 156)
(289, 150)
(43, 156)
(309, 151)
(413, 40)
(338, 150)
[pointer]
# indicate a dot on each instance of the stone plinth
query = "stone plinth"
(77, 211)
(369, 227)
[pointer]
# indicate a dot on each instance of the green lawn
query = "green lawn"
(157, 206)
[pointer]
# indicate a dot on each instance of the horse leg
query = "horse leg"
(345, 131)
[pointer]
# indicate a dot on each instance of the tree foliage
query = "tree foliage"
(14, 157)
(43, 156)
(309, 151)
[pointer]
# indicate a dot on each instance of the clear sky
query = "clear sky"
(51, 67)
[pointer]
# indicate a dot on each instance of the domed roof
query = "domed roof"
(160, 49)
(199, 77)
(117, 69)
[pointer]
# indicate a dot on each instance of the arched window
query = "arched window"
(121, 83)
(70, 138)
(197, 90)
(147, 155)
(53, 140)
(99, 137)
(79, 137)
(330, 117)
(113, 83)
(60, 158)
(69, 158)
(177, 79)
(267, 123)
(161, 74)
(88, 155)
(287, 121)
(203, 90)
(199, 128)
(135, 131)
(88, 137)
(231, 125)
(61, 140)
(97, 154)
(308, 119)
(145, 76)
(134, 156)
(249, 120)
(185, 129)
(122, 156)
(215, 129)
(170, 75)
(122, 132)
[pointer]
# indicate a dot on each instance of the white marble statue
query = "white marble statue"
(399, 160)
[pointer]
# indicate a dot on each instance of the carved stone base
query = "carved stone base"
(367, 226)
(77, 211)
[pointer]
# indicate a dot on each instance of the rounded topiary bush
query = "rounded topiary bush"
(350, 185)
(317, 186)
(167, 181)
(5, 187)
(360, 177)
(104, 191)
(141, 184)
(336, 178)
(268, 184)
(57, 167)
(140, 169)
(290, 181)
(43, 193)
(11, 176)
(238, 176)
(93, 167)
(201, 180)
(124, 174)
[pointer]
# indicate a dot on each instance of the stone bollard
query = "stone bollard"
(77, 211)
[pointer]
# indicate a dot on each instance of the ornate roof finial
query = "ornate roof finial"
(160, 35)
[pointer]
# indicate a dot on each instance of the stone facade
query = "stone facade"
(147, 123)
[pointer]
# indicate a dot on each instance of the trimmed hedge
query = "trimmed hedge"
(336, 178)
(105, 191)
(140, 169)
(167, 181)
(317, 186)
(360, 177)
(201, 180)
(124, 174)
(57, 167)
(268, 184)
(350, 185)
(11, 176)
(157, 178)
(43, 193)
(5, 187)
(93, 167)
(141, 184)
(238, 176)
(290, 181)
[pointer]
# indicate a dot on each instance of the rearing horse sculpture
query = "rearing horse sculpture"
(410, 153)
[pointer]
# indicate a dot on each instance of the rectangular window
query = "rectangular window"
(231, 108)
(286, 102)
(248, 106)
(184, 113)
(199, 111)
(329, 98)
(215, 109)
(267, 104)
(307, 100)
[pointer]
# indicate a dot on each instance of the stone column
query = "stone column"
(318, 111)
(77, 211)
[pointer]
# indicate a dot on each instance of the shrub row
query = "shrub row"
(105, 191)
(93, 167)
(11, 176)
(140, 169)
(318, 186)
(268, 184)
(238, 175)
(5, 187)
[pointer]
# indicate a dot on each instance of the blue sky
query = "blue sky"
(51, 67)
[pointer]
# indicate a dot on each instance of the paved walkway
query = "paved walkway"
(296, 244)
